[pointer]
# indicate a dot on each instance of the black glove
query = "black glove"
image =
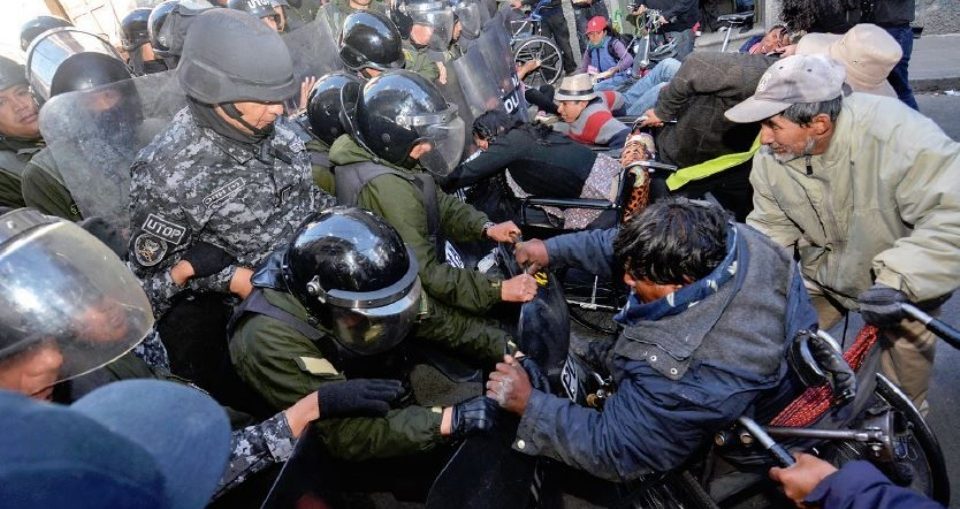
(538, 379)
(207, 259)
(880, 305)
(107, 233)
(474, 415)
(360, 397)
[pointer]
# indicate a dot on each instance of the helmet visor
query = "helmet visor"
(445, 132)
(62, 287)
(368, 331)
(470, 16)
(432, 25)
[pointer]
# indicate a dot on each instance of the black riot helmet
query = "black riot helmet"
(437, 15)
(67, 60)
(257, 9)
(12, 73)
(36, 26)
(353, 273)
(471, 15)
(400, 109)
(158, 16)
(229, 56)
(369, 39)
(324, 105)
(133, 29)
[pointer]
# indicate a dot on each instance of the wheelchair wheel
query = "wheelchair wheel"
(918, 461)
(544, 50)
(592, 301)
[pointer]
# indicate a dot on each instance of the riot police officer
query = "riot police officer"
(262, 9)
(229, 179)
(19, 131)
(135, 40)
(336, 12)
(52, 72)
(36, 26)
(404, 133)
(427, 29)
(169, 23)
(370, 44)
(325, 123)
(339, 303)
(87, 311)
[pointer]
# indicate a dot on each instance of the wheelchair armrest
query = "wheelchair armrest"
(628, 119)
(569, 203)
(737, 18)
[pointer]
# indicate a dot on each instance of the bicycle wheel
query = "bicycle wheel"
(544, 50)
(592, 301)
(918, 460)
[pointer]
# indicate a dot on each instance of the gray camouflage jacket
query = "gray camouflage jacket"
(193, 185)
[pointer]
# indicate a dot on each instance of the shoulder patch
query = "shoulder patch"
(316, 366)
(225, 191)
(149, 250)
(165, 230)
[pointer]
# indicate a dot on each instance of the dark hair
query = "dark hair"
(491, 124)
(673, 241)
(802, 113)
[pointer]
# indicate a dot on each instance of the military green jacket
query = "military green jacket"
(14, 156)
(399, 202)
(320, 165)
(43, 188)
(283, 365)
(422, 61)
(336, 13)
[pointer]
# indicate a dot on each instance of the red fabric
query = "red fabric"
(592, 127)
(815, 401)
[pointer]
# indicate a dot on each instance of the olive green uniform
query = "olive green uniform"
(320, 165)
(422, 61)
(43, 188)
(457, 297)
(283, 365)
(337, 11)
(14, 156)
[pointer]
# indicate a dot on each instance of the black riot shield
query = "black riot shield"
(313, 49)
(95, 135)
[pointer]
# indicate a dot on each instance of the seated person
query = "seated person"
(867, 52)
(538, 162)
(587, 116)
(774, 41)
(605, 57)
(711, 307)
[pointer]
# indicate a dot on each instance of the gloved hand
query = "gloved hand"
(880, 305)
(108, 234)
(207, 259)
(360, 397)
(538, 379)
(472, 416)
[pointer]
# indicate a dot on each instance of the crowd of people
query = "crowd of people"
(285, 252)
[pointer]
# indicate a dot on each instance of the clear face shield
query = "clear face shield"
(62, 289)
(471, 18)
(445, 132)
(369, 323)
(432, 24)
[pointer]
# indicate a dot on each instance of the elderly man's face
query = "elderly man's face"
(259, 115)
(18, 113)
(786, 140)
(32, 372)
(570, 110)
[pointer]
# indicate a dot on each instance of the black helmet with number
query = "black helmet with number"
(354, 274)
(12, 73)
(229, 56)
(133, 29)
(158, 16)
(370, 39)
(324, 105)
(36, 26)
(257, 9)
(68, 59)
(401, 109)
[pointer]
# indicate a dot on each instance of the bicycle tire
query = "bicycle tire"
(545, 50)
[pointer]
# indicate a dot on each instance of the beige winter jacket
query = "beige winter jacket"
(883, 202)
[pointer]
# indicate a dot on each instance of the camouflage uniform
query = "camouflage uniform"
(14, 156)
(45, 190)
(192, 184)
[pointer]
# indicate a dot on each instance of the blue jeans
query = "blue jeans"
(642, 95)
(898, 77)
(612, 83)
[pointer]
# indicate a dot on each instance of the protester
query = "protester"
(553, 24)
(587, 116)
(583, 12)
(678, 18)
(865, 189)
(605, 57)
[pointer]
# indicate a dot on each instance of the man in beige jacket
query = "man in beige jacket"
(867, 191)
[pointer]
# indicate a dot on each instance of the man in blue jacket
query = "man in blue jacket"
(712, 307)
